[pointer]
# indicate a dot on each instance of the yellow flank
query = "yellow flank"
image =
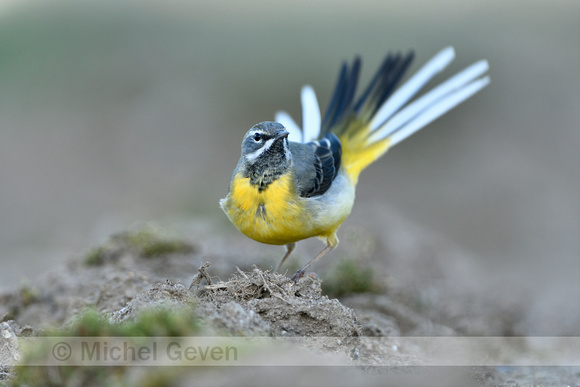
(357, 154)
(277, 215)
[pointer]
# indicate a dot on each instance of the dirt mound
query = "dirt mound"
(148, 283)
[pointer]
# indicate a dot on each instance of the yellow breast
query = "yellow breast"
(275, 215)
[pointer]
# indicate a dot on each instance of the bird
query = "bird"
(295, 183)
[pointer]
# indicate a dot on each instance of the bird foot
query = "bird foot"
(299, 274)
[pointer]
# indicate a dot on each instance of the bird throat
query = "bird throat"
(266, 169)
(262, 174)
(273, 162)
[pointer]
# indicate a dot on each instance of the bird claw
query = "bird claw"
(299, 274)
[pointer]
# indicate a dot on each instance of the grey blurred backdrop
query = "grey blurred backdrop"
(127, 111)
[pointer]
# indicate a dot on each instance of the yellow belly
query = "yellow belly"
(277, 215)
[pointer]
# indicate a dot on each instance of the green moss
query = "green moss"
(349, 277)
(158, 322)
(95, 256)
(165, 247)
(146, 242)
(28, 294)
(150, 243)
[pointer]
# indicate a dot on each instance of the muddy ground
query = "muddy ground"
(231, 291)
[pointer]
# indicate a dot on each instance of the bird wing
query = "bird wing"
(316, 164)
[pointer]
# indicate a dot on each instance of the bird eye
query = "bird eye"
(257, 137)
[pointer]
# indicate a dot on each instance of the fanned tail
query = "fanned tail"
(383, 117)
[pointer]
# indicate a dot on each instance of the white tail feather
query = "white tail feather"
(438, 109)
(412, 86)
(434, 97)
(311, 119)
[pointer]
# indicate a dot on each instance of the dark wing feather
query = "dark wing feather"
(327, 154)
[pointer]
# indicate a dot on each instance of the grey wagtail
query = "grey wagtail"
(293, 184)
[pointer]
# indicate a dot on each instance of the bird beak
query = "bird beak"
(283, 134)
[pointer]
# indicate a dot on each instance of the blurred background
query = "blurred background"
(116, 112)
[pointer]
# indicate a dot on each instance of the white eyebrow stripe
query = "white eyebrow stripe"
(252, 132)
(257, 153)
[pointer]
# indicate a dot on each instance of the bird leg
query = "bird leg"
(289, 249)
(300, 272)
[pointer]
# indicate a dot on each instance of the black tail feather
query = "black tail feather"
(389, 78)
(342, 96)
(379, 89)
